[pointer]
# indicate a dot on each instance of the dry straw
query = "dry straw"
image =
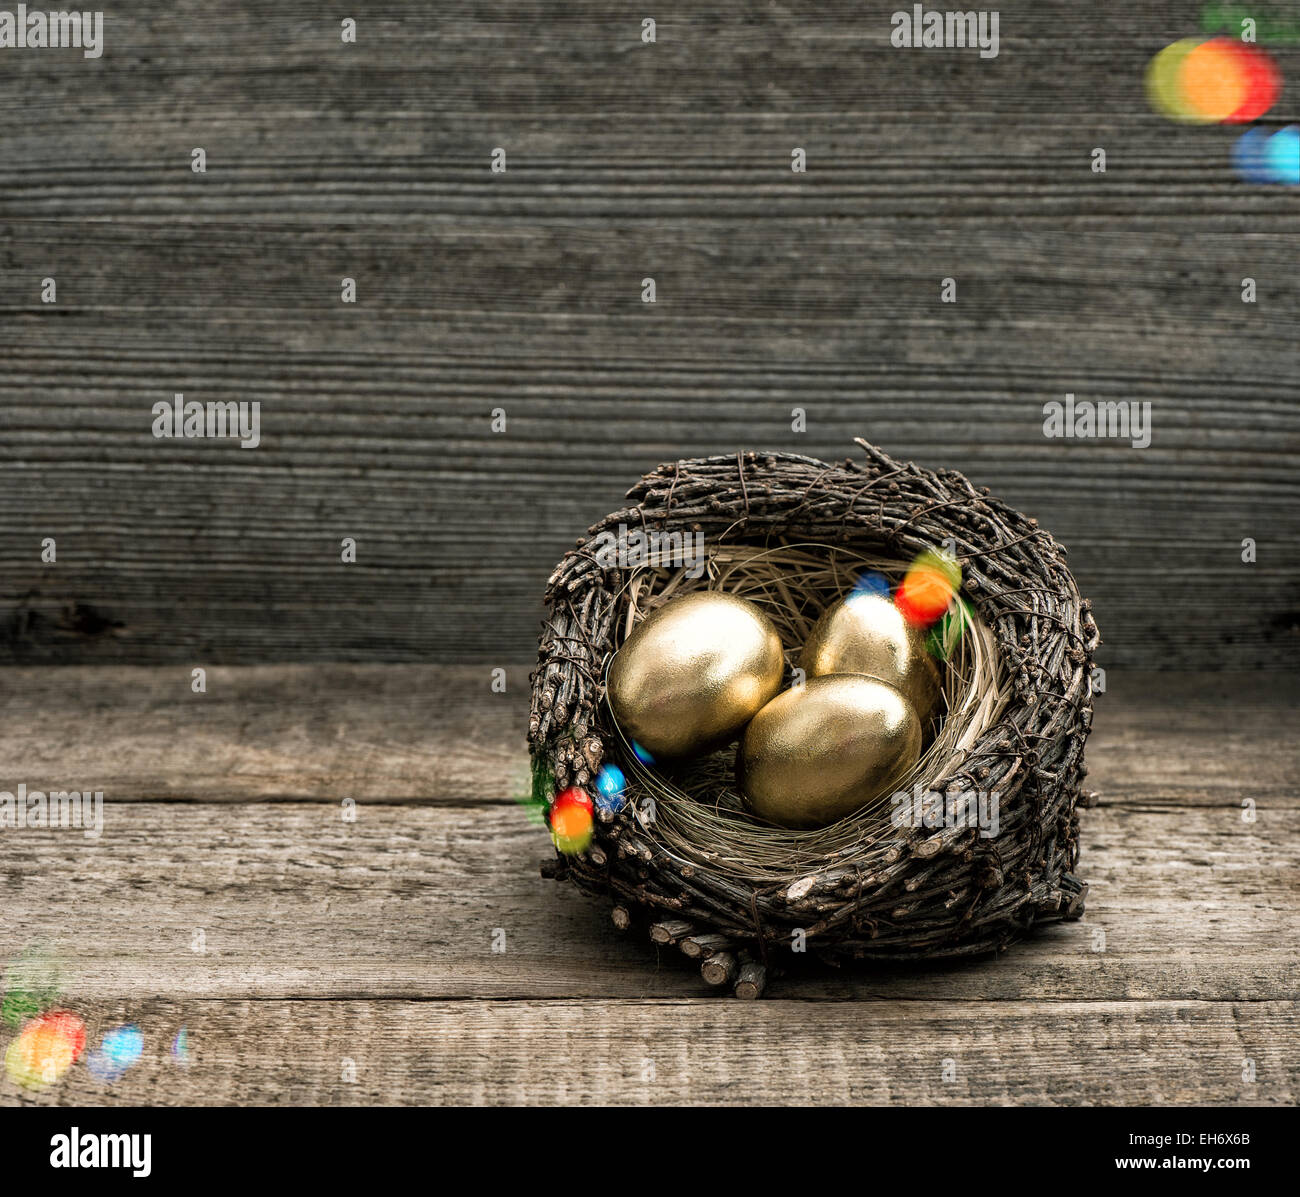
(794, 535)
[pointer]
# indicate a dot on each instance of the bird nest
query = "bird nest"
(978, 843)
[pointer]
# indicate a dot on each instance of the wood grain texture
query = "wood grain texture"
(326, 941)
(521, 291)
(411, 903)
(713, 1052)
(415, 733)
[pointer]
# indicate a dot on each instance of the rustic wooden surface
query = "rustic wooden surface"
(366, 947)
(333, 948)
(521, 291)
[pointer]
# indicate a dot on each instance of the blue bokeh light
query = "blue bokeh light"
(611, 787)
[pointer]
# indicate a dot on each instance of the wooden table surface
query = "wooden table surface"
(312, 959)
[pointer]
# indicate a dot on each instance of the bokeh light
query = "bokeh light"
(611, 789)
(1212, 80)
(119, 1049)
(872, 584)
(642, 754)
(1250, 156)
(1265, 156)
(1163, 90)
(571, 820)
(1264, 84)
(1284, 155)
(927, 589)
(45, 1048)
(181, 1047)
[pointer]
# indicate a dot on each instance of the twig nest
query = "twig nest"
(821, 751)
(682, 854)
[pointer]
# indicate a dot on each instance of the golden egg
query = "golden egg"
(694, 672)
(866, 633)
(822, 750)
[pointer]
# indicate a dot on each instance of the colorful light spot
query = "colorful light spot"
(1162, 78)
(927, 588)
(45, 1048)
(611, 789)
(571, 820)
(1213, 81)
(1208, 80)
(1264, 84)
(1268, 158)
(871, 584)
(642, 754)
(1250, 156)
(119, 1049)
(1284, 155)
(181, 1046)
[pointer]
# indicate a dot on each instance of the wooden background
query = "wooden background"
(521, 291)
(330, 945)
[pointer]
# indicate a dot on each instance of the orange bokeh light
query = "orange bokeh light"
(45, 1048)
(1209, 80)
(571, 821)
(1213, 80)
(923, 596)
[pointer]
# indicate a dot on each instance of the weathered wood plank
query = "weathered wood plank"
(365, 732)
(289, 901)
(699, 1053)
(521, 291)
(429, 289)
(402, 122)
(441, 733)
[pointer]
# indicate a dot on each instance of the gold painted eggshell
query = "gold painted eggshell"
(694, 672)
(866, 633)
(820, 751)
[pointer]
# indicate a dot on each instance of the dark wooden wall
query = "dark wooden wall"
(522, 291)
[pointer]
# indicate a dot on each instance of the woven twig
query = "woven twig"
(860, 891)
